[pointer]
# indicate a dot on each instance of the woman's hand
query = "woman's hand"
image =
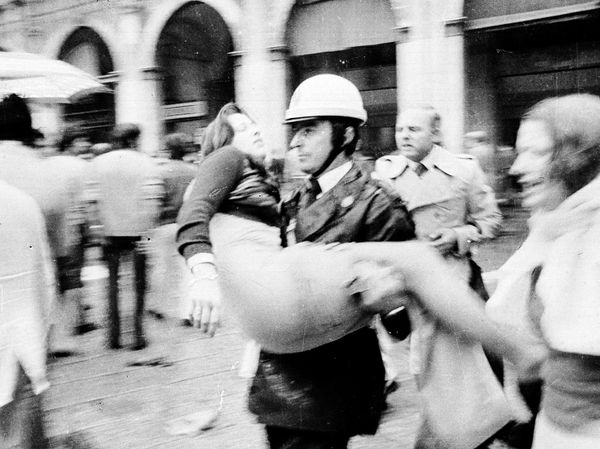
(204, 296)
(530, 361)
(380, 288)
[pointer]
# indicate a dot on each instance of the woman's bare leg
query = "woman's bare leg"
(448, 298)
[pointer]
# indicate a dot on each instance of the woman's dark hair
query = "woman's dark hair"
(15, 120)
(177, 145)
(219, 132)
(68, 137)
(574, 125)
(125, 135)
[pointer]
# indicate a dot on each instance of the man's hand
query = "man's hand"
(204, 298)
(444, 240)
(381, 288)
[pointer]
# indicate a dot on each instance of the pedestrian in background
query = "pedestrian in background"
(128, 191)
(75, 172)
(169, 273)
(551, 286)
(27, 282)
(452, 207)
(478, 145)
(22, 166)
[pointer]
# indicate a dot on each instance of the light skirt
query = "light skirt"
(288, 300)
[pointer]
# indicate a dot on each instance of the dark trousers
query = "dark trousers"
(115, 248)
(283, 438)
(21, 421)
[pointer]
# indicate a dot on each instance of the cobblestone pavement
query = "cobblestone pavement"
(107, 399)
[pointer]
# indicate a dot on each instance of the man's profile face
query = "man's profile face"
(312, 140)
(414, 134)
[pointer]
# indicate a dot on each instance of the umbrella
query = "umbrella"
(35, 77)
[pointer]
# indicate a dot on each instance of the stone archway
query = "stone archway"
(193, 58)
(92, 113)
(229, 11)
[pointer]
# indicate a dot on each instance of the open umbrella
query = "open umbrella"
(35, 77)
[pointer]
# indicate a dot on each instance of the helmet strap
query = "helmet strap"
(334, 153)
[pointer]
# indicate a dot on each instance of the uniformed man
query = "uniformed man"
(452, 207)
(322, 397)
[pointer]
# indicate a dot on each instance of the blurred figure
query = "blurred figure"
(70, 259)
(22, 167)
(27, 294)
(550, 287)
(128, 192)
(99, 149)
(168, 267)
(478, 145)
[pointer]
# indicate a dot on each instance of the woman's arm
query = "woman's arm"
(449, 299)
(217, 177)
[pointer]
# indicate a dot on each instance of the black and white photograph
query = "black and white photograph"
(299, 224)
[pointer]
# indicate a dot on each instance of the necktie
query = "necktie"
(312, 190)
(420, 169)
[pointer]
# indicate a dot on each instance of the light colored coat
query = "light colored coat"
(73, 173)
(129, 192)
(453, 194)
(27, 291)
(21, 167)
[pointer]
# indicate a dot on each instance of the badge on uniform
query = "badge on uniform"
(347, 201)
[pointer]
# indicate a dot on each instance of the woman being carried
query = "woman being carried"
(297, 298)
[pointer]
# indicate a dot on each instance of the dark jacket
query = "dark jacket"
(337, 387)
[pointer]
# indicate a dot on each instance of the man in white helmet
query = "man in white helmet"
(322, 397)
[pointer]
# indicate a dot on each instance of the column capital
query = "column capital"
(111, 77)
(402, 33)
(154, 73)
(131, 6)
(455, 27)
(279, 52)
(237, 56)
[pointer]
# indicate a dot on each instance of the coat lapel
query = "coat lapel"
(332, 206)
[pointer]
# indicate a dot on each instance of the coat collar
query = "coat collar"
(394, 165)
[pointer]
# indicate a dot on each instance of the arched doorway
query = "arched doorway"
(193, 56)
(92, 113)
(354, 39)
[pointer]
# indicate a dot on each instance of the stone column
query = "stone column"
(430, 60)
(261, 76)
(151, 116)
(137, 93)
(453, 114)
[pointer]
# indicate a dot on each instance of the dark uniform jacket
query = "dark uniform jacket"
(337, 387)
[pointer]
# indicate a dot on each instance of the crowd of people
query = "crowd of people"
(321, 280)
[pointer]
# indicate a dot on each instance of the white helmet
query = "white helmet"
(325, 96)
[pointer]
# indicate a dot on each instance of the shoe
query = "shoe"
(114, 345)
(84, 328)
(138, 344)
(155, 314)
(185, 322)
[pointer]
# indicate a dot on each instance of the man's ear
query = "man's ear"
(349, 135)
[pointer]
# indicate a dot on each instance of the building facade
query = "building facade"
(173, 63)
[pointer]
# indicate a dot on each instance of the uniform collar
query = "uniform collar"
(329, 179)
